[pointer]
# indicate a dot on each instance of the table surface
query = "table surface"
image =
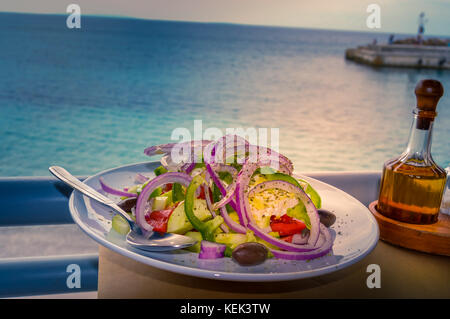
(404, 274)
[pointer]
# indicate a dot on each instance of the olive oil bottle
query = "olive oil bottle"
(412, 185)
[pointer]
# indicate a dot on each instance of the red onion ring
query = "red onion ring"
(141, 179)
(238, 228)
(170, 177)
(209, 250)
(208, 153)
(228, 144)
(188, 167)
(114, 191)
(298, 239)
(169, 165)
(242, 182)
(324, 249)
(284, 162)
(227, 194)
(279, 242)
(167, 148)
(255, 152)
(226, 168)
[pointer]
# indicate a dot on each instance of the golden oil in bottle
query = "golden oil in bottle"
(412, 185)
(420, 192)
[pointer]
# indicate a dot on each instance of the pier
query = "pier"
(401, 55)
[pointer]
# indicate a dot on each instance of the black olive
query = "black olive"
(327, 218)
(127, 204)
(250, 254)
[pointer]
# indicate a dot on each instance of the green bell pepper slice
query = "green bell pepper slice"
(160, 170)
(309, 190)
(207, 229)
(177, 193)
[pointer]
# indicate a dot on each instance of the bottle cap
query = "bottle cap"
(428, 92)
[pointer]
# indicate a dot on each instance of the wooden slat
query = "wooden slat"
(433, 238)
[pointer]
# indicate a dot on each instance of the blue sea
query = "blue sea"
(93, 98)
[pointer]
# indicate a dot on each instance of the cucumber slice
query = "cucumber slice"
(134, 189)
(160, 203)
(178, 222)
(120, 225)
(198, 237)
(230, 239)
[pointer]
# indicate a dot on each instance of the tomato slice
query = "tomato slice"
(202, 194)
(287, 238)
(158, 219)
(167, 188)
(286, 225)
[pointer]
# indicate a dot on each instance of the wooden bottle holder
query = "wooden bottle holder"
(433, 238)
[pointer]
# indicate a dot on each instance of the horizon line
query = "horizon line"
(106, 16)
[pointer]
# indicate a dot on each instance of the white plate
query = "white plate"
(355, 234)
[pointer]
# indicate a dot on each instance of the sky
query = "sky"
(398, 16)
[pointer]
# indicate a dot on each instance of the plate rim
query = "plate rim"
(220, 275)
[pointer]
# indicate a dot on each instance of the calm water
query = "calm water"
(94, 98)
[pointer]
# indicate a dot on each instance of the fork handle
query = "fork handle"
(75, 183)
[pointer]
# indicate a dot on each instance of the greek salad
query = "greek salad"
(236, 199)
